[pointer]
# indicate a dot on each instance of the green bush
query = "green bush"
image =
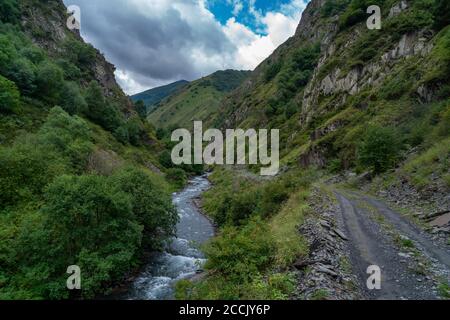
(72, 101)
(26, 169)
(441, 12)
(272, 71)
(70, 136)
(62, 145)
(273, 196)
(49, 82)
(9, 96)
(239, 254)
(100, 111)
(333, 7)
(92, 225)
(23, 73)
(165, 159)
(152, 207)
(135, 130)
(380, 149)
(409, 21)
(141, 109)
(9, 11)
(177, 177)
(79, 53)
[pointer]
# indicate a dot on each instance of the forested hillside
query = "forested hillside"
(368, 109)
(79, 177)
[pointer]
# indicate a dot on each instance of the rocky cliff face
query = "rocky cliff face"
(46, 25)
(357, 71)
(350, 82)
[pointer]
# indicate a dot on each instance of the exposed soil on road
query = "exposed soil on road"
(412, 265)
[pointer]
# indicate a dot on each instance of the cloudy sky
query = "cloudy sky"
(155, 42)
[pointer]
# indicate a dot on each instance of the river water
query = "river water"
(182, 259)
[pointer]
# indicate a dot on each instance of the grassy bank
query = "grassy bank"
(258, 237)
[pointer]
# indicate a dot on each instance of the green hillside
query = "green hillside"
(323, 90)
(154, 96)
(199, 100)
(79, 177)
(368, 109)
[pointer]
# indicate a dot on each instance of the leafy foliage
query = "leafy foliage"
(239, 253)
(9, 11)
(380, 149)
(333, 7)
(9, 96)
(441, 11)
(356, 12)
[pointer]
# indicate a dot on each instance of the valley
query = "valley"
(358, 208)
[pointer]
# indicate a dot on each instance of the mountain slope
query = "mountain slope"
(197, 101)
(154, 96)
(359, 108)
(335, 78)
(79, 179)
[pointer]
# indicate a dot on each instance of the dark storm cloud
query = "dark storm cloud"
(171, 42)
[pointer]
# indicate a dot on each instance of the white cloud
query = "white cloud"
(279, 26)
(154, 42)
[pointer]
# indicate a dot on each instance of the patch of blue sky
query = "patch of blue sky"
(246, 12)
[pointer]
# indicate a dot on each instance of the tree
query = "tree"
(9, 95)
(441, 13)
(380, 149)
(9, 11)
(101, 111)
(177, 176)
(95, 101)
(49, 80)
(152, 207)
(134, 128)
(72, 101)
(141, 109)
(91, 224)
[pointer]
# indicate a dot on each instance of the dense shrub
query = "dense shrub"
(441, 12)
(26, 168)
(333, 7)
(152, 208)
(79, 53)
(272, 71)
(9, 96)
(177, 176)
(49, 82)
(9, 11)
(70, 136)
(92, 225)
(380, 149)
(409, 21)
(141, 109)
(165, 159)
(72, 101)
(240, 253)
(24, 74)
(101, 111)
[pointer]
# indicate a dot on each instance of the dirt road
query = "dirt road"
(412, 265)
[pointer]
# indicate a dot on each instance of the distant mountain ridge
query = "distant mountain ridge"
(154, 96)
(199, 100)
